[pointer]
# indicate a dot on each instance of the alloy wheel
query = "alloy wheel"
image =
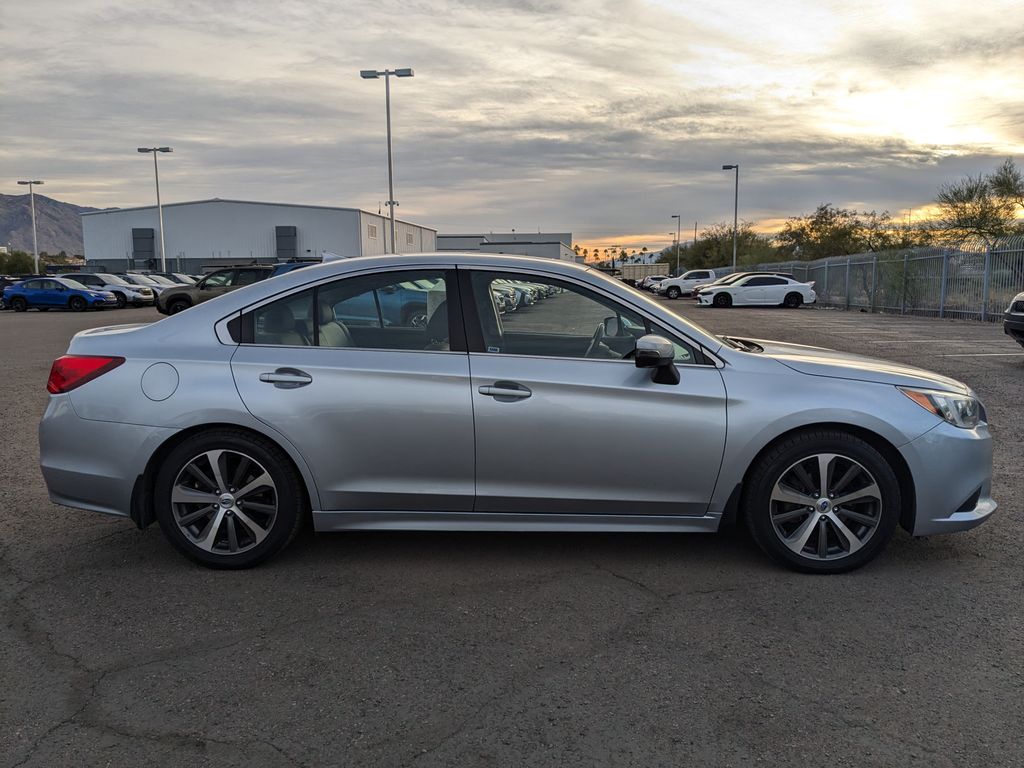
(825, 506)
(224, 502)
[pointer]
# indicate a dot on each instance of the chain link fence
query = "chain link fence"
(974, 282)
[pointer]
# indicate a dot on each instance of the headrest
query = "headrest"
(324, 313)
(437, 326)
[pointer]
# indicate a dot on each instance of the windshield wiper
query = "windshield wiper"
(743, 344)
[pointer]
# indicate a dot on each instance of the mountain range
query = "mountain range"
(58, 224)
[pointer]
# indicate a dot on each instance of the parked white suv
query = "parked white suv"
(123, 291)
(674, 287)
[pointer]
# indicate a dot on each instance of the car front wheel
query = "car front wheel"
(822, 502)
(76, 304)
(673, 292)
(122, 300)
(18, 304)
(228, 499)
(177, 305)
(722, 300)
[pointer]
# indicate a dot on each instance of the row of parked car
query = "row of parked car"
(80, 291)
(735, 289)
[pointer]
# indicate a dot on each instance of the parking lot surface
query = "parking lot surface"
(435, 649)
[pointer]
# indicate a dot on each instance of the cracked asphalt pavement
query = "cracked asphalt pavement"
(402, 649)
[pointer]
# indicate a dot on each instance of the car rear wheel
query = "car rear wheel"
(723, 300)
(122, 300)
(178, 305)
(18, 304)
(822, 502)
(793, 300)
(228, 499)
(673, 292)
(76, 304)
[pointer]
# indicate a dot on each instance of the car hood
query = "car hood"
(819, 361)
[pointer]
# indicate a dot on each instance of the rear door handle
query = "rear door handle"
(505, 391)
(287, 378)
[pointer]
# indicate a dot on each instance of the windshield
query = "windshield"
(185, 278)
(161, 280)
(112, 279)
(141, 279)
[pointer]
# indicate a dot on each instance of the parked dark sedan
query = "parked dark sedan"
(1013, 319)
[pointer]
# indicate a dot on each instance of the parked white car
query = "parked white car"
(674, 287)
(769, 290)
(123, 291)
(648, 282)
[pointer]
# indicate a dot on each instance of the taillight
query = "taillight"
(71, 371)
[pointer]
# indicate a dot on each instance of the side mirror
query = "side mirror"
(658, 353)
(612, 327)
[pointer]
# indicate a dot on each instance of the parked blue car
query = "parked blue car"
(45, 293)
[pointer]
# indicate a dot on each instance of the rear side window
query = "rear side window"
(405, 310)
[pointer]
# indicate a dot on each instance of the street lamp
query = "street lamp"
(32, 204)
(679, 220)
(159, 208)
(735, 209)
(373, 74)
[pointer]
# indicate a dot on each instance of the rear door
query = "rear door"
(566, 423)
(381, 412)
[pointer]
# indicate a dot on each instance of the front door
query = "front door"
(565, 422)
(380, 411)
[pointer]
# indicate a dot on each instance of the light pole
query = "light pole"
(159, 208)
(32, 204)
(735, 209)
(679, 220)
(373, 74)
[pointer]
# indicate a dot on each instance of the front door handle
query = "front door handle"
(287, 378)
(505, 391)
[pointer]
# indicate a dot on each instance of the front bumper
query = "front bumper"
(952, 471)
(80, 476)
(142, 301)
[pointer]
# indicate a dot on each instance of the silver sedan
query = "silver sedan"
(310, 397)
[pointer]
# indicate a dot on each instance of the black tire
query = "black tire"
(43, 309)
(673, 292)
(174, 306)
(780, 459)
(122, 300)
(722, 300)
(18, 304)
(290, 497)
(792, 300)
(77, 304)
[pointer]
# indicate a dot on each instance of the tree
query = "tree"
(713, 248)
(16, 263)
(983, 206)
(833, 231)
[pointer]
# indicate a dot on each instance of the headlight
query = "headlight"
(959, 410)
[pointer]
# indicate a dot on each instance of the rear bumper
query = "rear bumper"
(93, 465)
(952, 471)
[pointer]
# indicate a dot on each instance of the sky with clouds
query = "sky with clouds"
(603, 117)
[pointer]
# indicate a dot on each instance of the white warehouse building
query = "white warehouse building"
(548, 245)
(206, 234)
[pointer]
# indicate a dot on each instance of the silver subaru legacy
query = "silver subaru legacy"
(390, 393)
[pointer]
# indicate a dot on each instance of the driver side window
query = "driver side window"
(522, 314)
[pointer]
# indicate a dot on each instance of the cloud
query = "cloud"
(596, 116)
